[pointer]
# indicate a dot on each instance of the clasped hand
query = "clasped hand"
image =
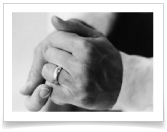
(92, 71)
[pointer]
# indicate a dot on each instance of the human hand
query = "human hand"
(92, 69)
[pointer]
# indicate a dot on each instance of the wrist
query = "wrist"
(136, 91)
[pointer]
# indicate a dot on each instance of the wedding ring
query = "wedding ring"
(56, 74)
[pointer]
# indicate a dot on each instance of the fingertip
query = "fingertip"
(39, 98)
(57, 22)
(24, 90)
(33, 82)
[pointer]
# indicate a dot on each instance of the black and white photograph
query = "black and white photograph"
(98, 62)
(85, 62)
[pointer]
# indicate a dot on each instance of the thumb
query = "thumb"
(39, 98)
(75, 26)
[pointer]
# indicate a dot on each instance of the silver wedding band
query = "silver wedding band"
(56, 74)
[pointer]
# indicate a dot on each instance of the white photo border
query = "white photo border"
(156, 115)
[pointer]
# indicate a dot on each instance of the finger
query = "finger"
(60, 58)
(65, 41)
(35, 78)
(75, 26)
(48, 71)
(64, 78)
(39, 98)
(60, 94)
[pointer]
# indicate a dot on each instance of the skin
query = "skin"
(92, 69)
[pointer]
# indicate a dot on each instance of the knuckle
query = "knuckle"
(84, 44)
(86, 48)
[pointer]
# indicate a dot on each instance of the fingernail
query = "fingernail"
(44, 92)
(59, 19)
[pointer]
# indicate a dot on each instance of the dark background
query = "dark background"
(133, 33)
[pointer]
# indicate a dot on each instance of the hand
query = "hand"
(92, 68)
